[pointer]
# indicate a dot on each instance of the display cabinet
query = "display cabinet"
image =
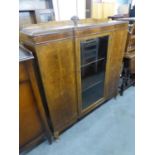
(79, 65)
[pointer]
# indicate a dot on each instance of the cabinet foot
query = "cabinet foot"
(56, 135)
(49, 140)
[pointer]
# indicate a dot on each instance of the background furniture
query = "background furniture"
(118, 16)
(44, 15)
(66, 57)
(101, 10)
(89, 8)
(35, 11)
(128, 72)
(33, 126)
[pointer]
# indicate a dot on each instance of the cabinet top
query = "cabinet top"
(24, 54)
(55, 27)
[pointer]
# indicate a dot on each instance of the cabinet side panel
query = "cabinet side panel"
(114, 62)
(57, 69)
(30, 125)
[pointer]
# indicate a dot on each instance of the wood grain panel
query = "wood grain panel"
(23, 75)
(57, 67)
(33, 126)
(30, 126)
(58, 57)
(114, 62)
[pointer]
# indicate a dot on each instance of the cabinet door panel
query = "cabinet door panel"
(30, 124)
(93, 63)
(92, 82)
(29, 121)
(114, 62)
(57, 68)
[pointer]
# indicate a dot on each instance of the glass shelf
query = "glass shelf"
(91, 62)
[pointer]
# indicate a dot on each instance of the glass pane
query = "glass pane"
(89, 51)
(92, 82)
(103, 47)
(93, 62)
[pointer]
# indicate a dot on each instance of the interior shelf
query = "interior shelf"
(87, 64)
(89, 82)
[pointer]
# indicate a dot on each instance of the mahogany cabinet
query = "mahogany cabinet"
(79, 65)
(33, 126)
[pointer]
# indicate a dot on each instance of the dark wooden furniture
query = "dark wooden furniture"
(33, 126)
(44, 15)
(33, 12)
(128, 72)
(26, 17)
(130, 45)
(118, 16)
(79, 65)
(88, 8)
(129, 19)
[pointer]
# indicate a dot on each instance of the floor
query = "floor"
(109, 130)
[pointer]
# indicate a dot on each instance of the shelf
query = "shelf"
(92, 86)
(92, 95)
(27, 10)
(85, 65)
(92, 81)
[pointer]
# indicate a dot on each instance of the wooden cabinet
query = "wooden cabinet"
(79, 66)
(33, 126)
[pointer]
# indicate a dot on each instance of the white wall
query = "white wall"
(32, 4)
(81, 7)
(65, 9)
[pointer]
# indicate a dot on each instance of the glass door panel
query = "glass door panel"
(93, 62)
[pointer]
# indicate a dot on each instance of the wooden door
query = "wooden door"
(57, 68)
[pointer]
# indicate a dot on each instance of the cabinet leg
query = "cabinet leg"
(121, 90)
(115, 96)
(56, 135)
(50, 140)
(121, 93)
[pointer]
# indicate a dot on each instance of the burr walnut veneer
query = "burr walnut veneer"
(79, 65)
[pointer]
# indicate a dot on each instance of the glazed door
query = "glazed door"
(93, 57)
